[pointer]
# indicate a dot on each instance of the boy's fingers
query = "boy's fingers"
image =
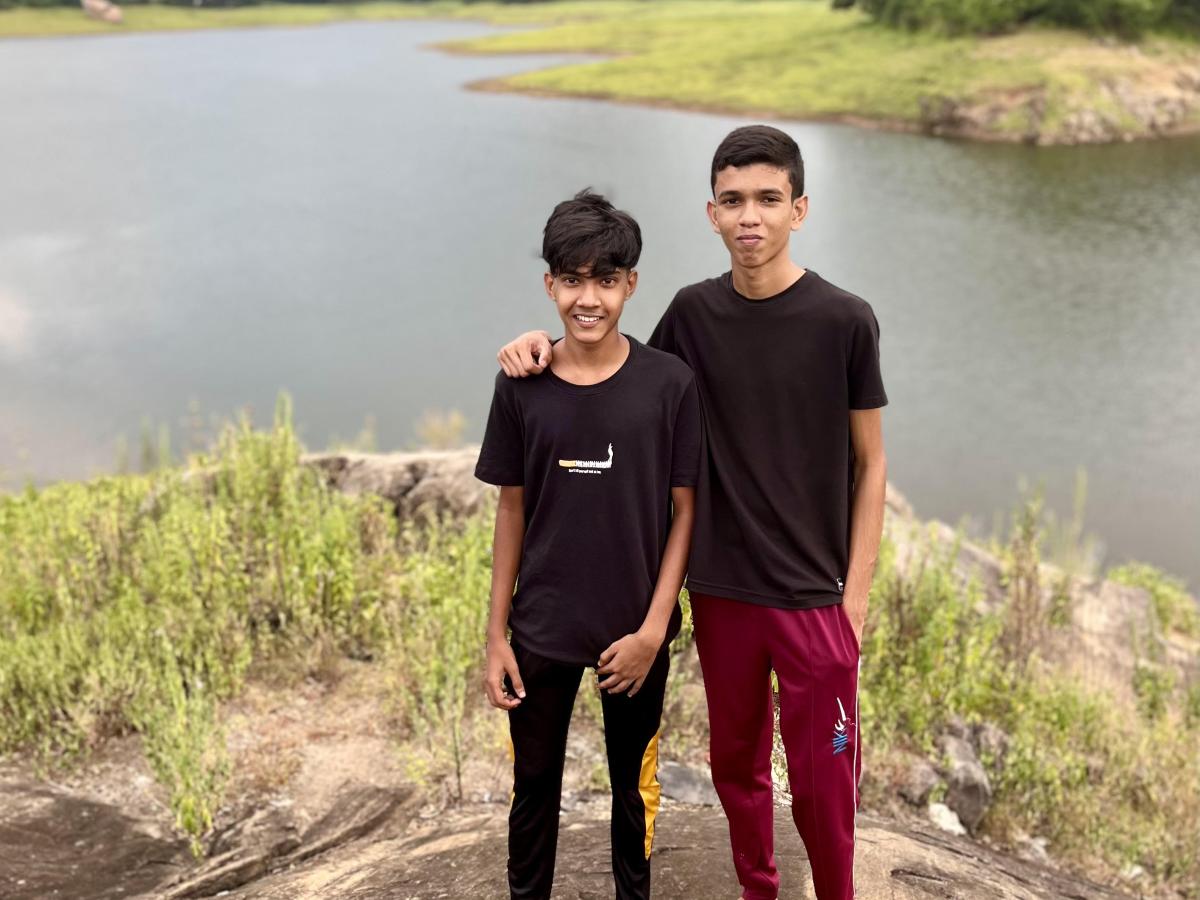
(608, 654)
(514, 675)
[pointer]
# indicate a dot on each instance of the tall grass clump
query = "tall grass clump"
(1101, 778)
(438, 640)
(139, 602)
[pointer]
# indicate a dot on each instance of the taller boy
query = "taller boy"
(789, 510)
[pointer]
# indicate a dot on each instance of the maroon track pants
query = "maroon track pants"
(815, 657)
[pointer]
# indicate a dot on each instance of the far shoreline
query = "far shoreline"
(1041, 87)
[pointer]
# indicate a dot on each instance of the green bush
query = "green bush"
(139, 602)
(1175, 609)
(1125, 17)
(1082, 768)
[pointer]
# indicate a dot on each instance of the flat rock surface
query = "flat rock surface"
(53, 844)
(691, 862)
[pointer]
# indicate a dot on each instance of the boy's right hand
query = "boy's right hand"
(501, 662)
(527, 355)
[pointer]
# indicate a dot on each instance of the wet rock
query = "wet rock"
(687, 785)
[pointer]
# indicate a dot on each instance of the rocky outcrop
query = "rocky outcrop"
(416, 484)
(372, 845)
(1160, 101)
(968, 790)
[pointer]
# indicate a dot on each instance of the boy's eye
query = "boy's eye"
(608, 282)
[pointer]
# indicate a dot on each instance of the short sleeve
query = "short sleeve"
(663, 337)
(687, 439)
(863, 377)
(502, 456)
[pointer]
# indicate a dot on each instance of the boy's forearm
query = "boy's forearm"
(672, 571)
(866, 529)
(506, 562)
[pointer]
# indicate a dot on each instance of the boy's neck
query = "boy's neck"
(581, 363)
(767, 280)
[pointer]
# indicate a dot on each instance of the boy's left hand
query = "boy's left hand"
(626, 662)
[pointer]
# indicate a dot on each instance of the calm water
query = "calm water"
(209, 218)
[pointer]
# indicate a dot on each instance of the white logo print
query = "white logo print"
(588, 466)
(839, 583)
(841, 738)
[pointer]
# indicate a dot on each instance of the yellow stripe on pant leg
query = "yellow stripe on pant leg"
(649, 788)
(512, 755)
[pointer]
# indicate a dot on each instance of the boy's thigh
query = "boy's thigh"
(631, 723)
(538, 726)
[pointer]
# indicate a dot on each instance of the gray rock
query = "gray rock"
(922, 778)
(990, 742)
(1033, 849)
(968, 790)
(687, 785)
(945, 818)
(956, 727)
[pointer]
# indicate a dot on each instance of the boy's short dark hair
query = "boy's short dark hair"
(588, 230)
(752, 144)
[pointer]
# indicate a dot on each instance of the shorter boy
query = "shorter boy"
(597, 460)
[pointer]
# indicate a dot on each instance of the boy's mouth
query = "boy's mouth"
(586, 320)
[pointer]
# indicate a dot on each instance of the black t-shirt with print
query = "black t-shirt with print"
(597, 463)
(777, 380)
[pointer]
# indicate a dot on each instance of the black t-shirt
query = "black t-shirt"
(597, 463)
(777, 379)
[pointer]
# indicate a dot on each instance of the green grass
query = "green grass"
(1109, 783)
(29, 22)
(141, 603)
(806, 60)
(1175, 609)
(787, 58)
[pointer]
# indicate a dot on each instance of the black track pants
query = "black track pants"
(539, 735)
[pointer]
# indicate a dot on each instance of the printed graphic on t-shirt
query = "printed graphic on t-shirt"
(588, 466)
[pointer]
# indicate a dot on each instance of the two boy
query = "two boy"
(788, 513)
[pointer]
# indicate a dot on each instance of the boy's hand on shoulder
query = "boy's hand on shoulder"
(501, 662)
(627, 660)
(527, 355)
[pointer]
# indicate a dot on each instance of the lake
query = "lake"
(197, 221)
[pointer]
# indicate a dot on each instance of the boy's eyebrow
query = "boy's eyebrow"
(762, 192)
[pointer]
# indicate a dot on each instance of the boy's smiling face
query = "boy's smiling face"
(590, 305)
(753, 211)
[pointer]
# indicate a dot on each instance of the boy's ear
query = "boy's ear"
(799, 211)
(549, 281)
(632, 284)
(712, 217)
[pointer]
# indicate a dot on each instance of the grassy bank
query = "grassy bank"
(788, 58)
(38, 22)
(142, 603)
(805, 60)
